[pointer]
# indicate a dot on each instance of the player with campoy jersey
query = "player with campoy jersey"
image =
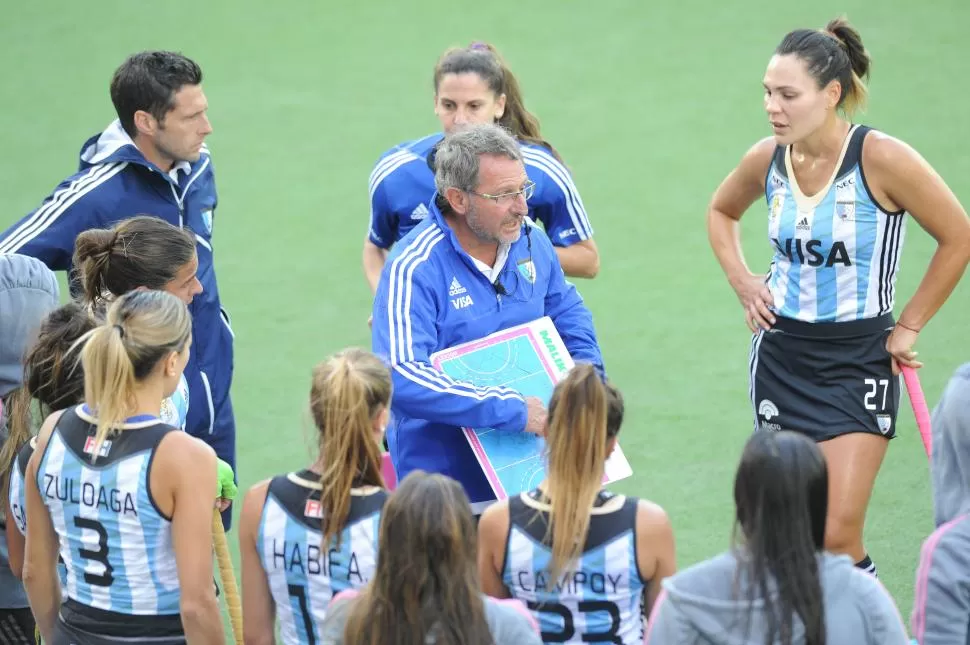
(826, 351)
(474, 85)
(125, 499)
(587, 563)
(308, 535)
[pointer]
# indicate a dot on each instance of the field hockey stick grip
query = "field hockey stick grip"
(228, 577)
(920, 410)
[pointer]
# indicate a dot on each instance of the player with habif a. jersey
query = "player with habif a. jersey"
(586, 562)
(306, 536)
(125, 499)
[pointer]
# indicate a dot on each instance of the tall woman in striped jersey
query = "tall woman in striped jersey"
(474, 85)
(310, 534)
(143, 252)
(126, 499)
(826, 351)
(598, 588)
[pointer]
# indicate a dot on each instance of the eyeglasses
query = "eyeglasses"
(507, 198)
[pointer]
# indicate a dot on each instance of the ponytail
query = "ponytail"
(347, 392)
(142, 328)
(109, 381)
(855, 95)
(835, 53)
(52, 377)
(576, 441)
(141, 251)
(15, 414)
(484, 60)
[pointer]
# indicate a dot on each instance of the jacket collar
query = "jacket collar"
(114, 145)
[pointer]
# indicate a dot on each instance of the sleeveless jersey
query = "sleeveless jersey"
(304, 575)
(17, 497)
(176, 407)
(115, 543)
(601, 600)
(836, 254)
(402, 185)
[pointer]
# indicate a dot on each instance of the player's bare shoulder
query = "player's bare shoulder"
(758, 157)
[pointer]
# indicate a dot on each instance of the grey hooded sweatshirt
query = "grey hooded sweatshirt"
(698, 607)
(28, 292)
(941, 612)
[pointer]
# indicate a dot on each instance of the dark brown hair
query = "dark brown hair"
(426, 584)
(142, 251)
(53, 378)
(485, 61)
(835, 53)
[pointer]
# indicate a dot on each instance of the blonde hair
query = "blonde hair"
(141, 328)
(348, 391)
(584, 414)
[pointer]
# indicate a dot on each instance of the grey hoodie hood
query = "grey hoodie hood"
(28, 292)
(950, 469)
(701, 605)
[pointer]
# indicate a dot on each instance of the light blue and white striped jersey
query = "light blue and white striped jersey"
(601, 599)
(176, 407)
(402, 185)
(17, 497)
(303, 575)
(836, 254)
(115, 544)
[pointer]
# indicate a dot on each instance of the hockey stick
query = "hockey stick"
(228, 577)
(920, 410)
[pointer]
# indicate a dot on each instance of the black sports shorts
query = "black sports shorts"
(824, 380)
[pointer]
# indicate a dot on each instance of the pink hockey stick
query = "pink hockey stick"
(920, 410)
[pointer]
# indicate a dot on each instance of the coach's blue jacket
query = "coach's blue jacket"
(431, 296)
(116, 182)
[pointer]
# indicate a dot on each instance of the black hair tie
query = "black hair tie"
(121, 331)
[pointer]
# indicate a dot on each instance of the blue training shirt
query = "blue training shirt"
(402, 184)
(432, 296)
(836, 254)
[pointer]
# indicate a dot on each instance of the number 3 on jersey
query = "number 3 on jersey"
(100, 556)
(873, 388)
(560, 611)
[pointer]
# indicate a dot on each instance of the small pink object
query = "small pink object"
(387, 469)
(920, 410)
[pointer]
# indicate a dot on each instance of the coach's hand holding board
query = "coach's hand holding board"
(473, 267)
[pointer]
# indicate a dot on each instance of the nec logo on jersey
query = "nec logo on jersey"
(89, 447)
(845, 183)
(419, 213)
(313, 509)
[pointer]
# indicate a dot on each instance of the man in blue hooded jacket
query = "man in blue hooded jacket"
(151, 160)
(474, 266)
